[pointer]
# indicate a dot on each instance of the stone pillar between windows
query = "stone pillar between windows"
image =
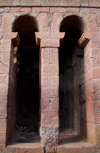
(49, 88)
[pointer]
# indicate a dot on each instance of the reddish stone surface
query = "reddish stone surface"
(92, 95)
(91, 132)
(97, 126)
(89, 75)
(86, 76)
(40, 9)
(89, 85)
(30, 3)
(3, 113)
(90, 112)
(97, 112)
(57, 9)
(95, 43)
(4, 49)
(50, 3)
(3, 101)
(69, 9)
(77, 148)
(11, 2)
(4, 78)
(49, 118)
(70, 3)
(45, 103)
(2, 137)
(3, 124)
(26, 147)
(45, 57)
(54, 81)
(4, 9)
(84, 3)
(50, 70)
(54, 56)
(5, 58)
(94, 3)
(54, 103)
(5, 42)
(50, 43)
(3, 90)
(49, 92)
(20, 9)
(7, 19)
(46, 81)
(96, 84)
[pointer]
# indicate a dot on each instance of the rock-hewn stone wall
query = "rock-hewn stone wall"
(86, 3)
(49, 19)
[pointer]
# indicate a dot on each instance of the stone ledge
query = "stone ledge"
(77, 3)
(26, 147)
(49, 39)
(77, 147)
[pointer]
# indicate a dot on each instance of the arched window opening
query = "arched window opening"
(27, 113)
(72, 110)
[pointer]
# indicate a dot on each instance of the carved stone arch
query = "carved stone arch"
(24, 74)
(72, 75)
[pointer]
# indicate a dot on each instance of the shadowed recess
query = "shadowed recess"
(28, 74)
(69, 91)
(26, 26)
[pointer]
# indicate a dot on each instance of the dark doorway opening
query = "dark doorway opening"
(72, 120)
(27, 114)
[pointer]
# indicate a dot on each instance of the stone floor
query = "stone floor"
(69, 142)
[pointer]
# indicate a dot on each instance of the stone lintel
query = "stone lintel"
(49, 39)
(84, 39)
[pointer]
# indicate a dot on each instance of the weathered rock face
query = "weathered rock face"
(50, 139)
(59, 81)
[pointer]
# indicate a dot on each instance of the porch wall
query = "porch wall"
(49, 16)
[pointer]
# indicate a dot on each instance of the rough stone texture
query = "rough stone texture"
(11, 2)
(49, 72)
(98, 20)
(1, 2)
(78, 148)
(30, 2)
(84, 2)
(95, 3)
(91, 3)
(70, 3)
(97, 135)
(88, 95)
(7, 19)
(50, 139)
(25, 147)
(40, 9)
(44, 21)
(4, 9)
(91, 132)
(57, 9)
(19, 9)
(56, 22)
(49, 118)
(51, 132)
(50, 2)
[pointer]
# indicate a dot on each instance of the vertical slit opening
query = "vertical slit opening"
(27, 107)
(72, 110)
